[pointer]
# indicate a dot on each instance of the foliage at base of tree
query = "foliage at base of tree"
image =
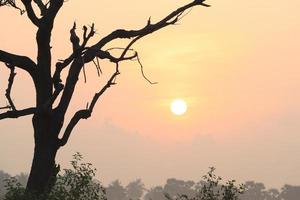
(77, 183)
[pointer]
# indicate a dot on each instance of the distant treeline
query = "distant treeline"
(136, 190)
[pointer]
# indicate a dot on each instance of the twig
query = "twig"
(142, 71)
(9, 86)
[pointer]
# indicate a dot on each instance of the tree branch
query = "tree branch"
(57, 82)
(17, 113)
(9, 87)
(30, 12)
(41, 6)
(86, 113)
(149, 28)
(13, 112)
(104, 88)
(81, 114)
(74, 38)
(77, 61)
(142, 71)
(54, 6)
(11, 3)
(78, 49)
(96, 52)
(21, 62)
(4, 107)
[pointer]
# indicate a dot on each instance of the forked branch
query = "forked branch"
(78, 50)
(30, 12)
(88, 54)
(86, 113)
(42, 6)
(13, 112)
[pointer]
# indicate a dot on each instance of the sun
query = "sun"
(178, 107)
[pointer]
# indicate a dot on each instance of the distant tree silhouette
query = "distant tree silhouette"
(273, 194)
(155, 193)
(254, 191)
(258, 191)
(290, 192)
(115, 191)
(53, 95)
(175, 187)
(135, 189)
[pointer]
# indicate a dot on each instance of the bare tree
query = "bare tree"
(48, 119)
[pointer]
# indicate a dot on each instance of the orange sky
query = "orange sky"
(236, 64)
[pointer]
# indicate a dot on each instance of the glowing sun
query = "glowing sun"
(178, 107)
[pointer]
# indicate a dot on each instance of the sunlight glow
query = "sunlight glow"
(178, 107)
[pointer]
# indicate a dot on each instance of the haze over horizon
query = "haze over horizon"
(236, 65)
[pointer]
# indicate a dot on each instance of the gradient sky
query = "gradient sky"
(236, 64)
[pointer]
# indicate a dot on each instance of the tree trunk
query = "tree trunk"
(43, 169)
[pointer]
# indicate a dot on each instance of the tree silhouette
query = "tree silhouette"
(115, 191)
(51, 90)
(290, 192)
(254, 191)
(135, 189)
(273, 194)
(155, 193)
(176, 187)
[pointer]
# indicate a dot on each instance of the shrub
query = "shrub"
(77, 183)
(211, 188)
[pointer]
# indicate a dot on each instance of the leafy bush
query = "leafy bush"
(211, 188)
(14, 189)
(74, 184)
(77, 183)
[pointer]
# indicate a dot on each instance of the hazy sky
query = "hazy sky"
(236, 65)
